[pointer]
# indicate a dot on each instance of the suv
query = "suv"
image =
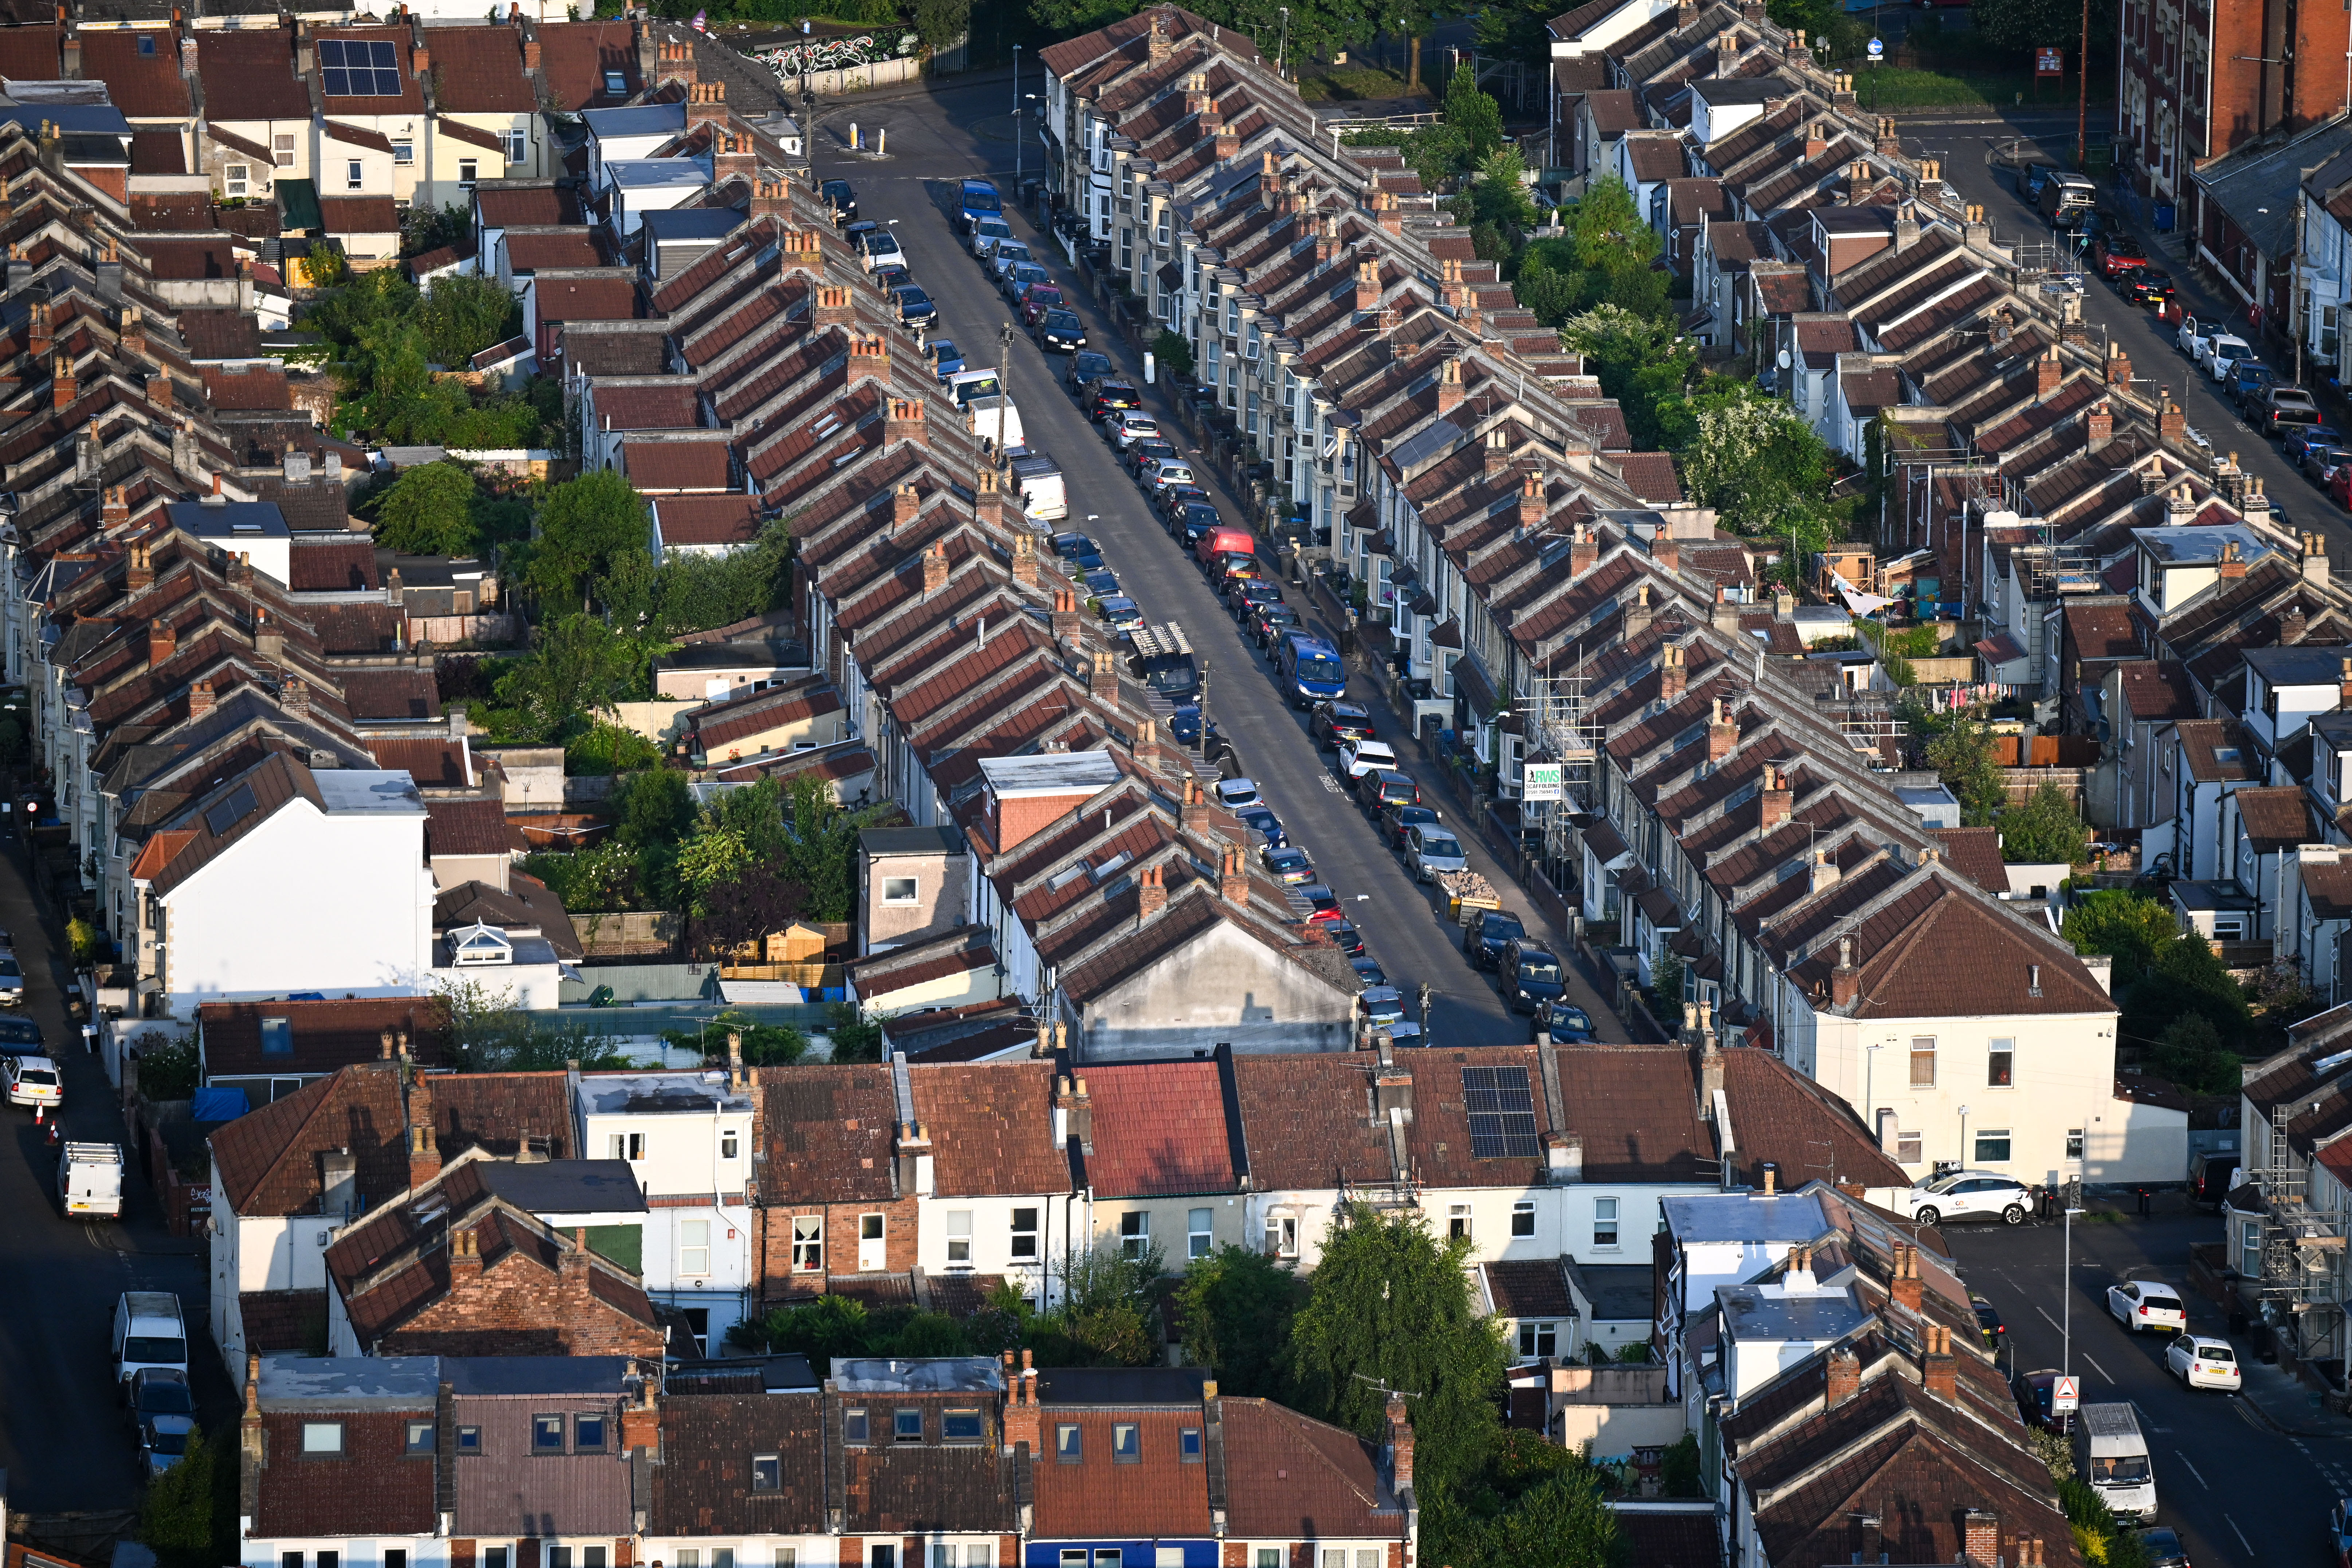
(2116, 253)
(1970, 1195)
(1382, 788)
(1485, 935)
(1363, 755)
(1086, 369)
(1334, 724)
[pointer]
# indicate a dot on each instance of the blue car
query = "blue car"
(1102, 584)
(946, 358)
(977, 200)
(1184, 724)
(1260, 820)
(1080, 551)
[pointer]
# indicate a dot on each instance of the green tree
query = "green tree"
(188, 1518)
(2188, 979)
(2047, 828)
(2191, 1054)
(1962, 755)
(939, 23)
(1173, 353)
(493, 1035)
(653, 807)
(2022, 25)
(460, 316)
(1237, 1305)
(2126, 927)
(1475, 117)
(1109, 1296)
(1499, 202)
(818, 848)
(1069, 18)
(1389, 1307)
(429, 510)
(713, 855)
(1760, 466)
(580, 669)
(750, 905)
(855, 1037)
(603, 877)
(584, 525)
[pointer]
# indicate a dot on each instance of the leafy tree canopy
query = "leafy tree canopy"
(2128, 928)
(585, 526)
(2047, 828)
(429, 510)
(1237, 1305)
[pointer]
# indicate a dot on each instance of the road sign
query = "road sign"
(1539, 782)
(1877, 49)
(2067, 1394)
(2049, 62)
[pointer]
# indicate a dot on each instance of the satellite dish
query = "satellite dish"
(1784, 359)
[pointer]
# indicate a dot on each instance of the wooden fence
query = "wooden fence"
(635, 934)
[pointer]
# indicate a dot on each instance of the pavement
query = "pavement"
(936, 138)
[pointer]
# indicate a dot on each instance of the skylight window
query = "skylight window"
(231, 811)
(359, 67)
(1501, 1113)
(1111, 864)
(1065, 876)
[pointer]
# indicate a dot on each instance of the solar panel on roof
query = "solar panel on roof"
(1501, 1109)
(359, 67)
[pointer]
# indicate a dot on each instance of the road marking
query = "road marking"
(1330, 786)
(2238, 1533)
(2102, 1371)
(2192, 1470)
(2048, 1318)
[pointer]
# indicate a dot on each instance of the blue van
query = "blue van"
(977, 200)
(1311, 670)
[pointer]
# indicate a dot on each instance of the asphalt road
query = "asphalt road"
(2236, 1487)
(939, 137)
(63, 1438)
(1963, 143)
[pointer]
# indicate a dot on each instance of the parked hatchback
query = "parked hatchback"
(34, 1081)
(2143, 1304)
(2200, 1360)
(1531, 974)
(1429, 849)
(1970, 1195)
(1384, 787)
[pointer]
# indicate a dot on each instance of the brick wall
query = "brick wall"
(777, 1279)
(518, 1308)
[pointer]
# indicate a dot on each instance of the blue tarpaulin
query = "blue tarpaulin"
(218, 1105)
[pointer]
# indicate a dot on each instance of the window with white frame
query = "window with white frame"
(1135, 1234)
(900, 890)
(236, 179)
(694, 1247)
(1458, 1222)
(808, 1244)
(959, 1229)
(1200, 1232)
(323, 1438)
(1906, 1148)
(1922, 1061)
(1233, 315)
(1523, 1217)
(404, 153)
(1024, 1236)
(1250, 342)
(2000, 1064)
(1282, 1235)
(626, 1146)
(1538, 1340)
(517, 147)
(281, 151)
(1604, 1221)
(871, 1252)
(469, 172)
(354, 175)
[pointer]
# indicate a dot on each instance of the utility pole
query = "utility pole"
(2083, 92)
(1016, 121)
(1283, 53)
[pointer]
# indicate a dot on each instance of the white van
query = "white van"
(90, 1180)
(995, 420)
(2111, 1455)
(149, 1331)
(1044, 495)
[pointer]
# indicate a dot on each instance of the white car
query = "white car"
(2142, 1304)
(1432, 849)
(1364, 756)
(1970, 1195)
(880, 249)
(986, 233)
(1128, 426)
(1235, 795)
(2222, 353)
(2200, 1361)
(34, 1080)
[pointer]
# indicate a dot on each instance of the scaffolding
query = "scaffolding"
(2303, 1248)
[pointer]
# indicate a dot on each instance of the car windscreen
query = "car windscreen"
(1320, 667)
(1171, 673)
(1439, 847)
(1538, 966)
(980, 385)
(1062, 321)
(19, 1032)
(2119, 1469)
(1569, 1018)
(160, 1398)
(154, 1350)
(982, 202)
(169, 1443)
(912, 295)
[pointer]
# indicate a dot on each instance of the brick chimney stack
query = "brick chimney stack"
(1672, 674)
(1843, 1379)
(424, 1148)
(1151, 894)
(2048, 372)
(1449, 387)
(574, 1258)
(1722, 733)
(61, 389)
(935, 563)
(1399, 1443)
(200, 699)
(2099, 426)
(1846, 980)
(132, 330)
(1102, 676)
(731, 157)
(1024, 1419)
(1386, 213)
(1065, 621)
(1368, 286)
(988, 500)
(906, 504)
(2119, 374)
(833, 307)
(1192, 811)
(1024, 558)
(1979, 1532)
(869, 360)
(140, 570)
(1583, 550)
(903, 421)
(2171, 423)
(1935, 1368)
(294, 697)
(1776, 801)
(161, 641)
(465, 1257)
(1233, 878)
(159, 389)
(1905, 1288)
(249, 1424)
(641, 1419)
(114, 509)
(1531, 501)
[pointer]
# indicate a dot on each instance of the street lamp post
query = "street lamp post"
(2066, 1300)
(1963, 1162)
(1017, 122)
(1283, 53)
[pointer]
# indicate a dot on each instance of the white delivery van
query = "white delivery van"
(148, 1332)
(90, 1180)
(2111, 1455)
(1043, 496)
(967, 385)
(994, 419)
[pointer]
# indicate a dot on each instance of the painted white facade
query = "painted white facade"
(352, 1552)
(359, 921)
(261, 1252)
(1027, 1256)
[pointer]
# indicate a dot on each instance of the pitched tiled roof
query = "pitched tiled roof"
(2157, 693)
(676, 465)
(828, 1132)
(2218, 751)
(1160, 1494)
(324, 1036)
(710, 1427)
(338, 566)
(359, 214)
(1307, 1122)
(495, 1111)
(2275, 817)
(467, 827)
(566, 247)
(144, 86)
(574, 57)
(990, 1126)
(1161, 1128)
(708, 520)
(268, 1158)
(370, 1488)
(248, 387)
(1635, 1109)
(1533, 1288)
(1933, 950)
(587, 300)
(1974, 853)
(1677, 1537)
(2103, 631)
(480, 70)
(252, 67)
(1780, 1116)
(672, 405)
(1291, 1478)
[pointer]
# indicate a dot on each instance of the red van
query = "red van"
(1223, 541)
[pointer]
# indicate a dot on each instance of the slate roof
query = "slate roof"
(711, 1425)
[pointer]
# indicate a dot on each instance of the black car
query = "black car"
(1172, 500)
(1197, 522)
(1251, 592)
(1532, 974)
(2034, 1390)
(915, 307)
(1382, 788)
(1112, 396)
(1345, 937)
(2148, 287)
(1270, 621)
(1565, 1022)
(1061, 331)
(1369, 971)
(1087, 367)
(1486, 935)
(2162, 1546)
(1145, 454)
(1989, 1323)
(890, 277)
(1080, 551)
(1397, 819)
(843, 200)
(1334, 724)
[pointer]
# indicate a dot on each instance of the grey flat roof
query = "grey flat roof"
(935, 1374)
(1728, 91)
(2298, 666)
(2201, 546)
(654, 172)
(1753, 1312)
(565, 1186)
(786, 1374)
(1925, 795)
(1619, 1293)
(351, 1382)
(229, 520)
(527, 1375)
(639, 120)
(369, 790)
(1745, 1217)
(2213, 896)
(659, 1093)
(694, 223)
(910, 841)
(1049, 773)
(1124, 1386)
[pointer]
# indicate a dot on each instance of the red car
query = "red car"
(1038, 299)
(2115, 254)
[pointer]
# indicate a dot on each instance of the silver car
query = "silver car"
(1430, 849)
(1384, 1005)
(986, 233)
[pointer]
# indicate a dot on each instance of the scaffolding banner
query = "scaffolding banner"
(1540, 781)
